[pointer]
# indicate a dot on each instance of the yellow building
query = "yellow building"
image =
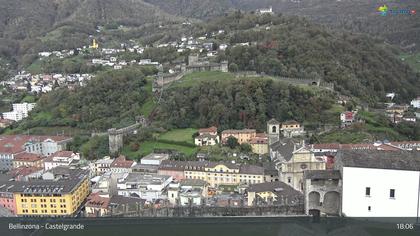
(259, 144)
(28, 160)
(60, 193)
(224, 173)
(243, 135)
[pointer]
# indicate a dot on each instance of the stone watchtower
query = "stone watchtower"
(273, 131)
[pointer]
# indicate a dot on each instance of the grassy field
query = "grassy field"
(149, 146)
(163, 142)
(179, 135)
(192, 78)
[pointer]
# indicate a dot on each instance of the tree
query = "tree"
(233, 67)
(245, 147)
(232, 142)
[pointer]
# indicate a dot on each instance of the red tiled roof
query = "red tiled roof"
(212, 129)
(62, 154)
(94, 200)
(25, 156)
(121, 162)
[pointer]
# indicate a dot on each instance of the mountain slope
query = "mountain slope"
(354, 15)
(20, 19)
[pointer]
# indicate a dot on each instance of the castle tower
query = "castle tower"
(273, 131)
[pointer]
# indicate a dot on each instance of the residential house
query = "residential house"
(291, 129)
(243, 136)
(122, 165)
(347, 118)
(5, 123)
(259, 144)
(207, 137)
(61, 158)
(415, 102)
(104, 206)
(102, 165)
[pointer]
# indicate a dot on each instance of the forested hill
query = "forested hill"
(20, 19)
(353, 15)
(293, 47)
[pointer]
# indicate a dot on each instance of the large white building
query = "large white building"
(379, 183)
(19, 112)
(416, 102)
(146, 186)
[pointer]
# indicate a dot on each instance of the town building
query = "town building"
(11, 145)
(61, 158)
(291, 171)
(145, 186)
(103, 165)
(154, 159)
(379, 184)
(5, 123)
(25, 173)
(106, 184)
(7, 199)
(415, 102)
(207, 137)
(347, 118)
(122, 165)
(266, 11)
(214, 173)
(103, 206)
(291, 129)
(243, 136)
(259, 144)
(26, 159)
(188, 192)
(19, 112)
(273, 193)
(61, 192)
(322, 191)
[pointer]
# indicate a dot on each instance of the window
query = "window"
(289, 180)
(369, 208)
(392, 193)
(274, 130)
(367, 191)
